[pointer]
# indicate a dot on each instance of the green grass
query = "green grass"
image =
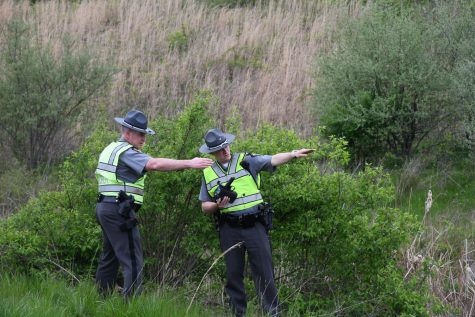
(29, 296)
(453, 204)
(452, 192)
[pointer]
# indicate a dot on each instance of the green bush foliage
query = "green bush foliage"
(395, 80)
(58, 229)
(337, 238)
(178, 240)
(43, 93)
(179, 40)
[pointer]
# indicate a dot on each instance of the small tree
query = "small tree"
(387, 87)
(41, 94)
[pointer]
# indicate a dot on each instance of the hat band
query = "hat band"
(138, 126)
(220, 146)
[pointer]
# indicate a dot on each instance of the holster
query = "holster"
(266, 215)
(126, 204)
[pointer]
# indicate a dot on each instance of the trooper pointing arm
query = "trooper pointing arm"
(165, 164)
(282, 158)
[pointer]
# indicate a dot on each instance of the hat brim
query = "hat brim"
(229, 139)
(125, 124)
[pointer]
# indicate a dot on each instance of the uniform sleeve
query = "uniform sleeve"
(204, 195)
(131, 165)
(259, 163)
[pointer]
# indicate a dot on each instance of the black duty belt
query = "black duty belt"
(111, 199)
(106, 199)
(244, 221)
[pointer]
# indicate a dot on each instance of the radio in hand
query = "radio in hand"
(225, 190)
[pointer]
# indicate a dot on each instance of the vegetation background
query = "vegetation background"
(379, 222)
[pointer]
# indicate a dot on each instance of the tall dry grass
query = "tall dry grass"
(260, 60)
(448, 257)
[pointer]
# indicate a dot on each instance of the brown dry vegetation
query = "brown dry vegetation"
(442, 253)
(259, 60)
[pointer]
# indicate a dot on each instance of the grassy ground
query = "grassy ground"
(21, 296)
(452, 189)
(445, 246)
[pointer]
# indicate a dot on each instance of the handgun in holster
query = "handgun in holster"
(126, 203)
(266, 215)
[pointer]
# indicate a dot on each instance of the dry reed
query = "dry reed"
(259, 60)
(452, 279)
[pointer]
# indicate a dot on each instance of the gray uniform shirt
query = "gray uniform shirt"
(257, 163)
(131, 165)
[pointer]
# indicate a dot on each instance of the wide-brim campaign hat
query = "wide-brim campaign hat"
(216, 140)
(135, 120)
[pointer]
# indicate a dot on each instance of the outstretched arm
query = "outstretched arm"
(282, 158)
(166, 164)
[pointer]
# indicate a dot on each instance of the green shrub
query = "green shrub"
(42, 95)
(179, 40)
(58, 229)
(46, 234)
(394, 83)
(337, 237)
(171, 208)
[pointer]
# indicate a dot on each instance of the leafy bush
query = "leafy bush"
(177, 238)
(393, 83)
(179, 40)
(60, 226)
(58, 229)
(18, 185)
(42, 94)
(337, 238)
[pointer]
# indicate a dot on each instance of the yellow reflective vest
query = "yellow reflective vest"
(106, 176)
(247, 189)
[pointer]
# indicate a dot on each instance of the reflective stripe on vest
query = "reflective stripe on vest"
(248, 194)
(106, 176)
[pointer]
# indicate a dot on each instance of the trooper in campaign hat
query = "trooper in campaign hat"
(216, 140)
(121, 173)
(135, 120)
(230, 190)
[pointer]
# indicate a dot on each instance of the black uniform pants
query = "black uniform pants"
(257, 244)
(119, 247)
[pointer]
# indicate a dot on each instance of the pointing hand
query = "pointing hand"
(302, 152)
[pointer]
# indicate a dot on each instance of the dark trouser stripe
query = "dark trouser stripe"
(133, 261)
